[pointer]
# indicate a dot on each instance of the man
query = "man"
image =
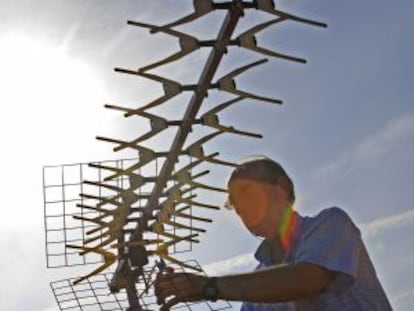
(305, 263)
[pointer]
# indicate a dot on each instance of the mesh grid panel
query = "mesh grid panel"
(94, 295)
(62, 186)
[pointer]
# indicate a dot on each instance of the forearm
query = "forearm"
(275, 284)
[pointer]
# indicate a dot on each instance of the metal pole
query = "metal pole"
(207, 75)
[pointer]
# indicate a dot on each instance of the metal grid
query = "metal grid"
(94, 295)
(62, 186)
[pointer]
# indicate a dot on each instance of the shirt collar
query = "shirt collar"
(263, 252)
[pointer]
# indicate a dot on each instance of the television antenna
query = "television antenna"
(113, 215)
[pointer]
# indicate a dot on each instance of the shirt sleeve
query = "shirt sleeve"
(332, 242)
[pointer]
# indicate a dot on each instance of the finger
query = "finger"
(159, 289)
(163, 296)
(163, 291)
(164, 286)
(169, 270)
(161, 277)
(160, 301)
(164, 272)
(166, 306)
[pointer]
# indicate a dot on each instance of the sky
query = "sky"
(345, 132)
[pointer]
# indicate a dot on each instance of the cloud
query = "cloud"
(373, 150)
(230, 265)
(70, 36)
(377, 226)
(399, 297)
(245, 261)
(24, 269)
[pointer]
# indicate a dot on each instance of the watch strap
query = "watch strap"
(210, 290)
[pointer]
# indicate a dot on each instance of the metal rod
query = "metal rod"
(207, 75)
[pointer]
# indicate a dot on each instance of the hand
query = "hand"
(172, 288)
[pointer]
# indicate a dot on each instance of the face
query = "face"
(257, 205)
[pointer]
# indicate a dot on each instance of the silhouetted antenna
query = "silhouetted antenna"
(136, 215)
(188, 44)
(201, 8)
(228, 84)
(248, 40)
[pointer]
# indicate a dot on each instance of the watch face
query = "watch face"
(210, 290)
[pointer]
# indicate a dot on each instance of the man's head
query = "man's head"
(261, 192)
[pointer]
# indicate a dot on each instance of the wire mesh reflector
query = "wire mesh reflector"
(62, 186)
(94, 295)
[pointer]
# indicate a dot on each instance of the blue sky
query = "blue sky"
(345, 131)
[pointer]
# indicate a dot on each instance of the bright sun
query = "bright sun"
(32, 70)
(45, 89)
(50, 105)
(45, 92)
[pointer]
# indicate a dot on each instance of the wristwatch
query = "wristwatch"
(210, 290)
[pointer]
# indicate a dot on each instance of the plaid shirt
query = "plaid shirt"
(330, 240)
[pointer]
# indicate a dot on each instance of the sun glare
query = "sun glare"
(50, 106)
(46, 90)
(33, 71)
